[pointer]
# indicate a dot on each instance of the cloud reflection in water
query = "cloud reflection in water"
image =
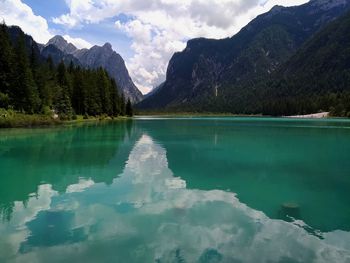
(148, 215)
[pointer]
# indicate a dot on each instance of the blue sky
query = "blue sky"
(96, 34)
(145, 32)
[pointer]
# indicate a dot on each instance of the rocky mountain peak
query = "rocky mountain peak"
(57, 40)
(276, 9)
(62, 44)
(107, 46)
(95, 57)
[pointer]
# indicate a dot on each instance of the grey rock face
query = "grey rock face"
(57, 55)
(107, 58)
(62, 44)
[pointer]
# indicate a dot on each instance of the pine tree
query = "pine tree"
(46, 83)
(103, 84)
(49, 61)
(128, 109)
(115, 98)
(63, 104)
(6, 66)
(24, 93)
(79, 90)
(31, 85)
(122, 105)
(62, 76)
(71, 67)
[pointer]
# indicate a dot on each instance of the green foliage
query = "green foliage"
(24, 91)
(47, 111)
(63, 105)
(128, 109)
(6, 60)
(4, 100)
(268, 75)
(11, 119)
(31, 85)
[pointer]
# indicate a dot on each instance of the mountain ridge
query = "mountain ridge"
(62, 44)
(97, 56)
(197, 75)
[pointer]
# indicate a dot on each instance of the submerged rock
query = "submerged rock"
(290, 209)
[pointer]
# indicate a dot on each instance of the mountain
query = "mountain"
(328, 50)
(56, 48)
(154, 91)
(208, 73)
(31, 46)
(316, 78)
(114, 64)
(62, 44)
(31, 84)
(57, 55)
(59, 49)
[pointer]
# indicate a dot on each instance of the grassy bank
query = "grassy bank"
(13, 119)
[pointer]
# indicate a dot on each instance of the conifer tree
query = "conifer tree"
(116, 107)
(32, 85)
(122, 105)
(63, 102)
(128, 109)
(6, 65)
(103, 84)
(24, 93)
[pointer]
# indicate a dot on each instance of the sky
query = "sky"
(146, 33)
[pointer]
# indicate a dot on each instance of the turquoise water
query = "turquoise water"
(177, 190)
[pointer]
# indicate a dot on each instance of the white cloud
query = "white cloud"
(14, 12)
(81, 186)
(159, 28)
(148, 191)
(66, 20)
(78, 42)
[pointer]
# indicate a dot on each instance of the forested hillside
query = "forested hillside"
(315, 79)
(95, 57)
(30, 84)
(253, 72)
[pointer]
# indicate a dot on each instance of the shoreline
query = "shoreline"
(43, 121)
(320, 115)
(20, 120)
(194, 114)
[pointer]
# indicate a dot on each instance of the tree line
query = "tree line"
(33, 85)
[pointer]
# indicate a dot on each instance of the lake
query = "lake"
(177, 190)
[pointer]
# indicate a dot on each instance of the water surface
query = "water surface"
(177, 190)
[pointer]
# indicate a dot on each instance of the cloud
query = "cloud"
(78, 42)
(112, 216)
(14, 12)
(159, 28)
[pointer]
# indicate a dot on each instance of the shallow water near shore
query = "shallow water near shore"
(158, 189)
